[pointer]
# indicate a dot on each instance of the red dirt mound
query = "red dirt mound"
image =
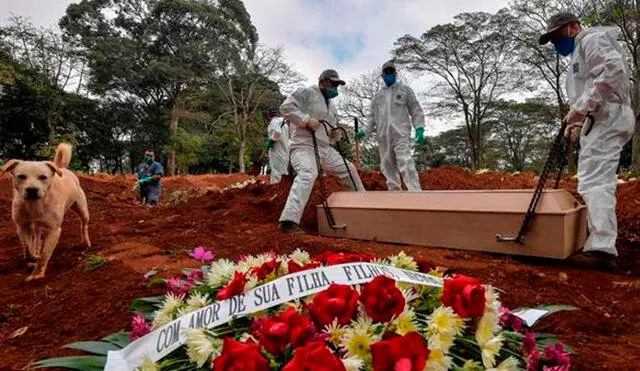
(73, 304)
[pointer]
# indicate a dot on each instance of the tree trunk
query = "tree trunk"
(241, 149)
(173, 130)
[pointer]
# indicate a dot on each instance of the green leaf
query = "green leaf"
(146, 305)
(85, 363)
(95, 347)
(119, 339)
(157, 281)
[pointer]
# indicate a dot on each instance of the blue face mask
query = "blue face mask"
(565, 45)
(389, 79)
(332, 92)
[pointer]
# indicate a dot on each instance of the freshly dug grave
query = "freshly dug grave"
(73, 303)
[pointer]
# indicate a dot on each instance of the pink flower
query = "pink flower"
(177, 286)
(195, 275)
(510, 321)
(556, 355)
(199, 253)
(528, 344)
(139, 327)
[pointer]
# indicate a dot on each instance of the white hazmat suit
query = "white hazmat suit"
(278, 132)
(394, 110)
(598, 82)
(298, 108)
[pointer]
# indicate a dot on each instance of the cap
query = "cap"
(331, 75)
(389, 65)
(555, 23)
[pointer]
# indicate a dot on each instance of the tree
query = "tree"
(160, 52)
(451, 148)
(471, 59)
(249, 81)
(55, 60)
(521, 132)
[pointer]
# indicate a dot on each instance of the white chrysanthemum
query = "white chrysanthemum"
(471, 365)
(363, 323)
(410, 294)
(443, 320)
(489, 351)
(352, 364)
(252, 282)
(488, 326)
(442, 342)
(195, 302)
(300, 257)
(492, 300)
(509, 364)
(381, 261)
(406, 322)
(200, 348)
(244, 338)
(403, 261)
(171, 306)
(253, 261)
(220, 272)
(148, 365)
(334, 332)
(438, 360)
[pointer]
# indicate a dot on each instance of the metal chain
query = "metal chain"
(556, 153)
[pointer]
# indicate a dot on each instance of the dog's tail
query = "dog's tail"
(63, 155)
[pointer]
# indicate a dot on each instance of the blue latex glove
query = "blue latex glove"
(420, 135)
(360, 134)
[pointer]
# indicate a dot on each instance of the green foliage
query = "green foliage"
(94, 262)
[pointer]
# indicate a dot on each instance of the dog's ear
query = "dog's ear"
(54, 167)
(9, 166)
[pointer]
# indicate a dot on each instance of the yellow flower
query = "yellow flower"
(488, 326)
(492, 300)
(148, 365)
(357, 344)
(200, 347)
(406, 322)
(442, 342)
(489, 351)
(444, 321)
(438, 360)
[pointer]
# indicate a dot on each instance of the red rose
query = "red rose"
(425, 265)
(235, 287)
(289, 327)
(465, 295)
(266, 269)
(333, 258)
(295, 267)
(314, 356)
(402, 353)
(382, 299)
(338, 301)
(237, 356)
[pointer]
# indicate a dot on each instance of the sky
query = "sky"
(351, 36)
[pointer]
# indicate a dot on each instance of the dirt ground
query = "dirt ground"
(73, 304)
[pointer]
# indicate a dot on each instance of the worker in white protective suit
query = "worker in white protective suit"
(278, 146)
(305, 108)
(394, 111)
(598, 82)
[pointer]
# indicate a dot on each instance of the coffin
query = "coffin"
(467, 220)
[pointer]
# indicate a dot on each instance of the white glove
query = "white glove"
(313, 124)
(336, 135)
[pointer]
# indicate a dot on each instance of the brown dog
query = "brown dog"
(43, 191)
